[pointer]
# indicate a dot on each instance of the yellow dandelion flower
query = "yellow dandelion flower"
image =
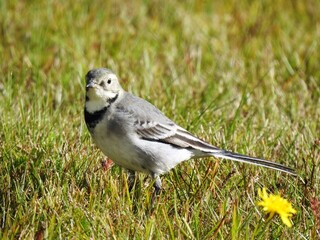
(276, 204)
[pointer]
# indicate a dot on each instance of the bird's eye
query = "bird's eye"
(109, 81)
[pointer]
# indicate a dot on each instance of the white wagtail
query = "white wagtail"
(139, 137)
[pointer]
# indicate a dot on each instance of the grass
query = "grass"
(241, 75)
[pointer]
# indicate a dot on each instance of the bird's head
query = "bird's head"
(102, 88)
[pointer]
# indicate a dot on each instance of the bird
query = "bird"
(137, 136)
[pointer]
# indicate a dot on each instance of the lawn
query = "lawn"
(243, 75)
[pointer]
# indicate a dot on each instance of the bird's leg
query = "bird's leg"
(157, 188)
(131, 179)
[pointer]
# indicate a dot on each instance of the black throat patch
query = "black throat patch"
(92, 119)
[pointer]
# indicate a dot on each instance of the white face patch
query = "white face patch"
(112, 76)
(98, 99)
(102, 91)
(95, 105)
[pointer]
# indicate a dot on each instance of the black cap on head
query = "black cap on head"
(97, 72)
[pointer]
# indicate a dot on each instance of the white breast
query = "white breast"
(134, 153)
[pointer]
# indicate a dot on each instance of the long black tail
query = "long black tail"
(182, 138)
(253, 160)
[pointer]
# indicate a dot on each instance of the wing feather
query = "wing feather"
(173, 134)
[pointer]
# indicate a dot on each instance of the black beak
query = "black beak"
(90, 85)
